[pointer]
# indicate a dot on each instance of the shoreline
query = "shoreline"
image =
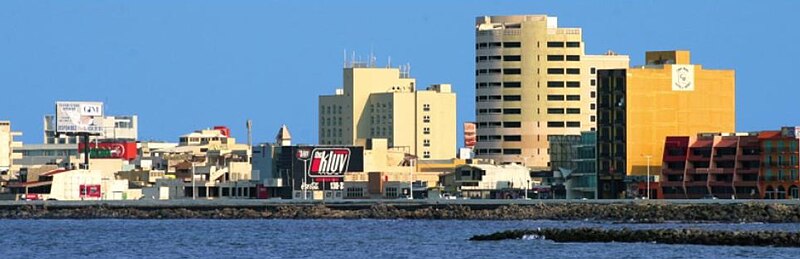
(625, 212)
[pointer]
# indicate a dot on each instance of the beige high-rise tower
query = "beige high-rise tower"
(385, 103)
(533, 80)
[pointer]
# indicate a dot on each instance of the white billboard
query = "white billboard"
(79, 117)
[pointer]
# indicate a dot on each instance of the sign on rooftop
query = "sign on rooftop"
(79, 117)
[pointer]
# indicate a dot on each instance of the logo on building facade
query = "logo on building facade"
(329, 162)
(682, 77)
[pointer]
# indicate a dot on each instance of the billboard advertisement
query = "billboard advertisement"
(79, 117)
(329, 162)
(322, 167)
(90, 191)
(117, 150)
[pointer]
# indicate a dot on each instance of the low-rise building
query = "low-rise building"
(488, 181)
(718, 165)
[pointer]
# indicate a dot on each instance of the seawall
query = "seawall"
(625, 211)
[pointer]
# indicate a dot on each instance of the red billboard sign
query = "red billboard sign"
(118, 150)
(90, 191)
(329, 162)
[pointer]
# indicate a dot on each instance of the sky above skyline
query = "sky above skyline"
(187, 65)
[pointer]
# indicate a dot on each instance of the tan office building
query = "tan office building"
(385, 103)
(533, 80)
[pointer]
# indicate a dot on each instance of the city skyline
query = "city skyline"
(259, 60)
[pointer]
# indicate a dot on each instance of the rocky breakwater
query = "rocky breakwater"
(663, 236)
(622, 212)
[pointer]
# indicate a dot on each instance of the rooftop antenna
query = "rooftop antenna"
(353, 59)
(345, 58)
(388, 65)
(371, 57)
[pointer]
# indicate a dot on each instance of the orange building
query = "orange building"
(640, 106)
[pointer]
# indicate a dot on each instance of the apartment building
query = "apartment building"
(385, 103)
(724, 166)
(533, 80)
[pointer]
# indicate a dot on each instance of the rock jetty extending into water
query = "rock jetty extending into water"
(621, 212)
(662, 236)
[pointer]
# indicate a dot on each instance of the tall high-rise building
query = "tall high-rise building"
(640, 106)
(385, 103)
(533, 80)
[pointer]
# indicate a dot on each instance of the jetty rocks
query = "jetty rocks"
(661, 236)
(620, 212)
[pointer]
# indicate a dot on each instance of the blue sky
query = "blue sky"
(186, 65)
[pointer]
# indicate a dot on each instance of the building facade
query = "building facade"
(7, 147)
(724, 166)
(533, 80)
(385, 103)
(639, 107)
(779, 177)
(114, 127)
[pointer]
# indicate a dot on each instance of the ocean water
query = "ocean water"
(368, 238)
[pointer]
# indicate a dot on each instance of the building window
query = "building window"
(592, 118)
(573, 44)
(512, 138)
(512, 84)
(512, 44)
(426, 119)
(555, 44)
(555, 84)
(512, 111)
(512, 98)
(592, 106)
(593, 82)
(555, 124)
(593, 70)
(593, 94)
(512, 71)
(391, 192)
(555, 57)
(555, 110)
(573, 84)
(555, 71)
(512, 58)
(426, 154)
(512, 151)
(426, 142)
(573, 124)
(512, 124)
(573, 97)
(354, 192)
(426, 107)
(555, 97)
(573, 110)
(573, 58)
(426, 130)
(573, 71)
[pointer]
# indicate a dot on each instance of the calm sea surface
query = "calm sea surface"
(110, 238)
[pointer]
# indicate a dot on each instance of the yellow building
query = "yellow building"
(639, 107)
(533, 80)
(385, 103)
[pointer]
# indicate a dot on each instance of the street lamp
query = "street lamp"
(411, 180)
